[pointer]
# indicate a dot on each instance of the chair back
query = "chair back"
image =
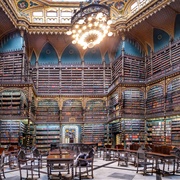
(36, 152)
(11, 148)
(2, 159)
(1, 150)
(141, 154)
(21, 155)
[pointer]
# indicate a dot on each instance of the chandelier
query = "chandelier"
(90, 25)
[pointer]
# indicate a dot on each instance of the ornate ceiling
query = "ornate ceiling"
(139, 25)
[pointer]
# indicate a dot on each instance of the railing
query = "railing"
(13, 79)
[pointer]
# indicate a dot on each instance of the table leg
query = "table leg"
(72, 171)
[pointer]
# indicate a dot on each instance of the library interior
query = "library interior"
(90, 89)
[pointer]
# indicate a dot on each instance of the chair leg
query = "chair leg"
(79, 172)
(3, 174)
(92, 172)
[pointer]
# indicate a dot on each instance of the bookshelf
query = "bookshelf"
(93, 133)
(47, 134)
(13, 103)
(175, 51)
(134, 68)
(159, 131)
(11, 66)
(48, 79)
(72, 79)
(93, 79)
(133, 131)
(95, 111)
(30, 135)
(47, 111)
(175, 131)
(173, 96)
(114, 112)
(155, 101)
(12, 132)
(72, 111)
(133, 103)
(117, 68)
(108, 134)
(161, 61)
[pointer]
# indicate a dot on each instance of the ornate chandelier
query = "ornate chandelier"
(90, 25)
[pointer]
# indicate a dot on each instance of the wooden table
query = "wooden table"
(67, 159)
(58, 152)
(164, 158)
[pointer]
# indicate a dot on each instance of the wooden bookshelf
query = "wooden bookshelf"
(48, 79)
(133, 103)
(95, 111)
(173, 96)
(93, 133)
(175, 131)
(134, 68)
(113, 108)
(47, 134)
(117, 68)
(12, 132)
(155, 101)
(47, 111)
(13, 103)
(11, 66)
(133, 131)
(175, 51)
(159, 131)
(72, 111)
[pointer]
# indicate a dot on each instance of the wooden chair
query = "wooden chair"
(37, 156)
(2, 165)
(86, 164)
(12, 156)
(123, 157)
(85, 161)
(143, 162)
(27, 164)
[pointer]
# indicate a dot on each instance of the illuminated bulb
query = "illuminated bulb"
(91, 45)
(81, 21)
(74, 41)
(69, 33)
(90, 25)
(109, 22)
(79, 30)
(99, 15)
(76, 26)
(96, 24)
(89, 18)
(110, 33)
(84, 27)
(73, 31)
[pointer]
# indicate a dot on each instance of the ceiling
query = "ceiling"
(139, 27)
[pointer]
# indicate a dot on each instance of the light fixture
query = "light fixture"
(90, 25)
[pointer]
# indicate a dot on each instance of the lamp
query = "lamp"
(90, 25)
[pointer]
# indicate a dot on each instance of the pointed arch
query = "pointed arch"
(48, 55)
(93, 56)
(160, 39)
(71, 55)
(33, 59)
(11, 42)
(106, 57)
(177, 27)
